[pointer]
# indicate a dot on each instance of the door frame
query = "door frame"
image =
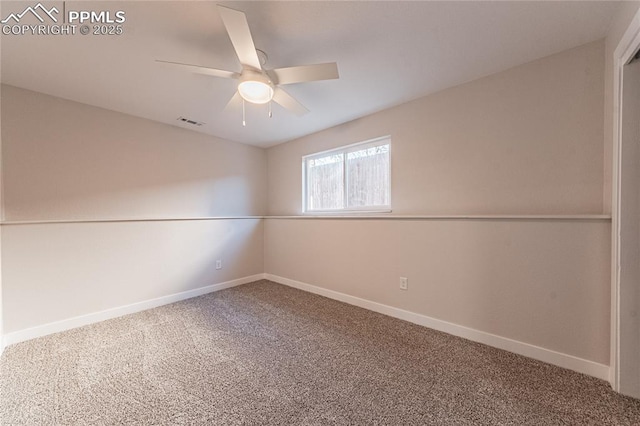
(625, 50)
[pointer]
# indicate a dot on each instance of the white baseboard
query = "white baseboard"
(570, 362)
(69, 323)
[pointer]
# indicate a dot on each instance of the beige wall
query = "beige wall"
(72, 162)
(54, 272)
(618, 27)
(538, 282)
(65, 160)
(524, 141)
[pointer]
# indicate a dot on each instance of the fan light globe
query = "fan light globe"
(256, 92)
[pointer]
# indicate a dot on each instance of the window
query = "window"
(354, 177)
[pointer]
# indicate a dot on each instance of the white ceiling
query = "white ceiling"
(387, 53)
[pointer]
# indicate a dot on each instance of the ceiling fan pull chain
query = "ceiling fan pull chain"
(270, 113)
(244, 122)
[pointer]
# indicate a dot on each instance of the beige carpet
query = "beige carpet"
(265, 354)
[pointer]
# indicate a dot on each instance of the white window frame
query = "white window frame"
(384, 140)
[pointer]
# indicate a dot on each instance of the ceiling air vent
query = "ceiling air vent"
(189, 121)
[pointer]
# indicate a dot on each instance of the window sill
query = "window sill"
(347, 213)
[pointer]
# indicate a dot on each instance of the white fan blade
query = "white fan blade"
(238, 29)
(235, 100)
(287, 101)
(303, 73)
(202, 70)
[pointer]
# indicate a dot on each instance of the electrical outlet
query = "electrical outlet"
(218, 264)
(404, 283)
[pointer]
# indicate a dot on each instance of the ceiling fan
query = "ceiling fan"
(256, 84)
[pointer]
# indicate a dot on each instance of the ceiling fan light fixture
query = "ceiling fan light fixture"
(255, 87)
(256, 92)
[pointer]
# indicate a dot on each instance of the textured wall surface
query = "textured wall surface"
(524, 141)
(65, 161)
(69, 161)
